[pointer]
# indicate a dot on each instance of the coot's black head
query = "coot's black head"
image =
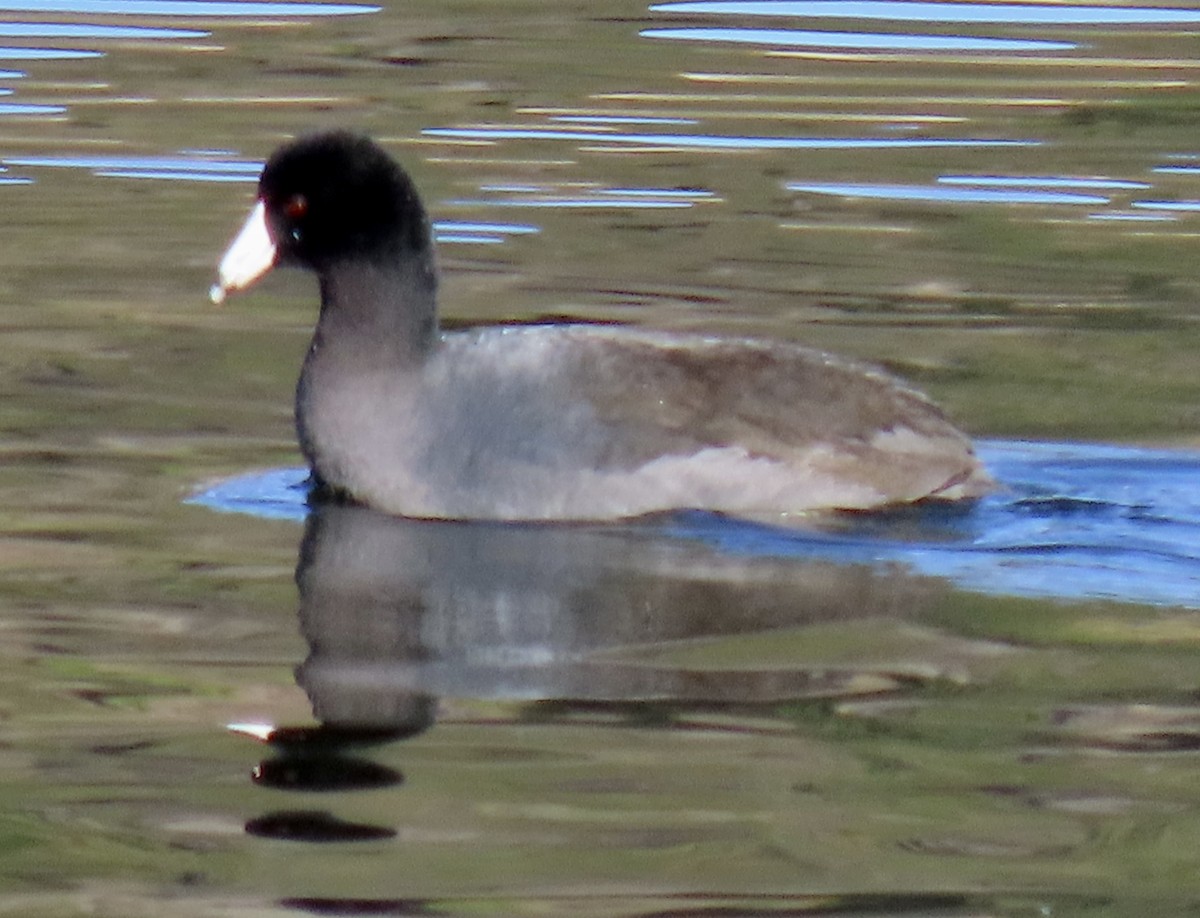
(339, 195)
(323, 199)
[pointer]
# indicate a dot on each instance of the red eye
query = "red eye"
(295, 207)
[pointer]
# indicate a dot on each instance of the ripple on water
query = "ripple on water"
(1070, 521)
(196, 8)
(717, 141)
(946, 193)
(1041, 181)
(960, 13)
(87, 33)
(473, 232)
(198, 167)
(585, 196)
(1189, 206)
(1014, 189)
(81, 30)
(858, 41)
(46, 54)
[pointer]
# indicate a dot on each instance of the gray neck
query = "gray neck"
(375, 319)
(378, 315)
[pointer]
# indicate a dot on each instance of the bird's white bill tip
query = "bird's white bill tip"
(249, 256)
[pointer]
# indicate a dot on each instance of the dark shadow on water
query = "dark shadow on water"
(314, 826)
(323, 773)
(931, 905)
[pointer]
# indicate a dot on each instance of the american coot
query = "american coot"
(557, 422)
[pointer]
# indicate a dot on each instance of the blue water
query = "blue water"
(1070, 521)
(1041, 181)
(202, 8)
(1169, 205)
(858, 41)
(944, 193)
(909, 11)
(80, 30)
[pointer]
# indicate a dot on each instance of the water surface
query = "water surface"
(990, 712)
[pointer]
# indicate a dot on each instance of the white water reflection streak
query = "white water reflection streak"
(945, 193)
(858, 41)
(716, 141)
(81, 30)
(191, 8)
(1048, 181)
(989, 13)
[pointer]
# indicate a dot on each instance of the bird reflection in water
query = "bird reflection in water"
(560, 620)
